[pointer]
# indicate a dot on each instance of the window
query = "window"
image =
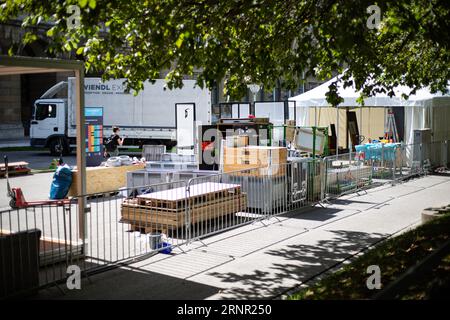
(44, 111)
(225, 110)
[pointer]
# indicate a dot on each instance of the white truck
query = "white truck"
(155, 116)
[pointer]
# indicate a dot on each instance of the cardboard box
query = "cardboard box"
(260, 161)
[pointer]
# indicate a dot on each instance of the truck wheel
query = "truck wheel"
(59, 146)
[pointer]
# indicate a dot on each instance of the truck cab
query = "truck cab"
(49, 122)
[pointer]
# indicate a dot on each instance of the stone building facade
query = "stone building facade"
(18, 92)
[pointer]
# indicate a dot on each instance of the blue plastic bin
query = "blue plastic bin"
(62, 179)
(167, 247)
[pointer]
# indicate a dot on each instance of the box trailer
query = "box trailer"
(156, 115)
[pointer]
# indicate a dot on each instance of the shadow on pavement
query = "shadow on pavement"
(298, 263)
(131, 283)
(316, 214)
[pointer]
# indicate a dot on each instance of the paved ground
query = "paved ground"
(5, 143)
(265, 259)
(36, 159)
(34, 187)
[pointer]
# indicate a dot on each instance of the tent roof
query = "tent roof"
(25, 65)
(316, 97)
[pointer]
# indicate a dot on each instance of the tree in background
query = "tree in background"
(380, 44)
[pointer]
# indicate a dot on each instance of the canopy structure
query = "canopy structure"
(421, 110)
(422, 98)
(25, 65)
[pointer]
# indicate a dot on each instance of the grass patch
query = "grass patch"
(130, 150)
(394, 257)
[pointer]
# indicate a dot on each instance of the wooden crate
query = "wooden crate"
(264, 161)
(104, 179)
(163, 211)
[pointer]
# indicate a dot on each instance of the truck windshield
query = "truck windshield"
(44, 111)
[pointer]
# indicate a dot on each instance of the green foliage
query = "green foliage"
(260, 41)
(394, 257)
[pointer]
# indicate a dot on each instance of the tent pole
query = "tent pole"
(346, 128)
(315, 116)
(337, 131)
(360, 124)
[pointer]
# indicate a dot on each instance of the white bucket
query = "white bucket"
(154, 239)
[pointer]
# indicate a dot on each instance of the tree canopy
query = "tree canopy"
(243, 42)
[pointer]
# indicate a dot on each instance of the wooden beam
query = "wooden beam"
(45, 64)
(26, 70)
(81, 152)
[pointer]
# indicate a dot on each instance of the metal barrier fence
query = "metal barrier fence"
(117, 229)
(39, 243)
(356, 171)
(36, 246)
(260, 194)
(121, 227)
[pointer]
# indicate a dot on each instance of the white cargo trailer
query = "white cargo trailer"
(151, 117)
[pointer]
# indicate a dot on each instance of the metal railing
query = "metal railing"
(261, 193)
(343, 174)
(27, 263)
(132, 223)
(116, 228)
(121, 227)
(381, 164)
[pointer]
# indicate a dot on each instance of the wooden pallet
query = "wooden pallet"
(153, 219)
(178, 198)
(20, 167)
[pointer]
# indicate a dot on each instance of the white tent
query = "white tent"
(422, 98)
(422, 110)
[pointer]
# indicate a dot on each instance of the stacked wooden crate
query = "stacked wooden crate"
(171, 209)
(256, 160)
